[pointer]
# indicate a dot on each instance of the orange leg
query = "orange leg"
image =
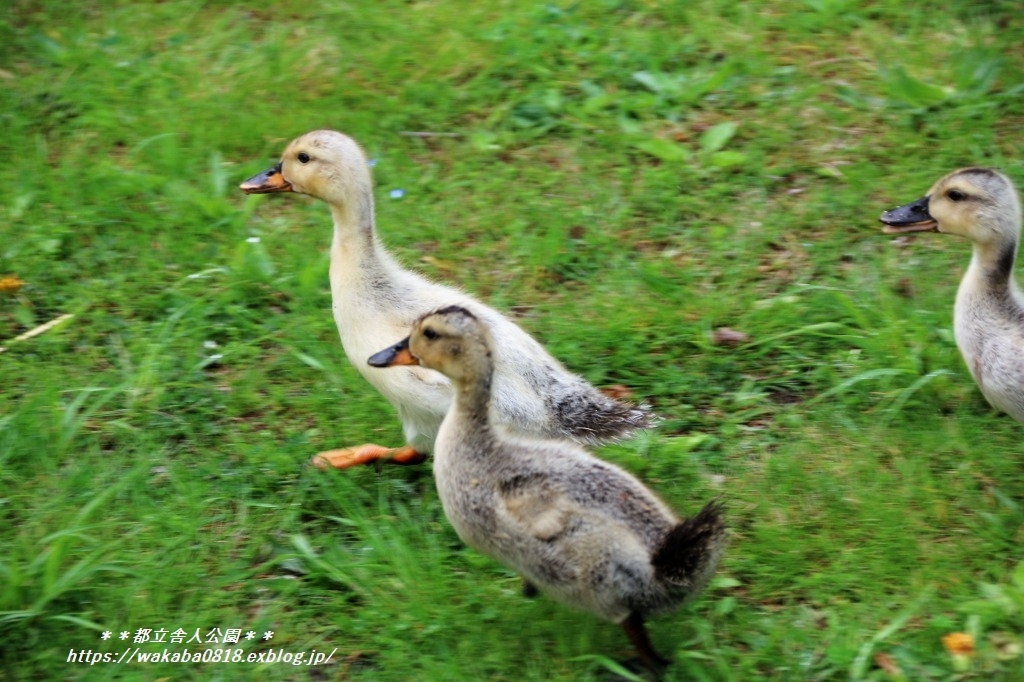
(366, 454)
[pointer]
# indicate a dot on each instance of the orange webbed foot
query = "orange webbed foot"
(369, 453)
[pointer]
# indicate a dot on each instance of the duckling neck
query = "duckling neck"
(473, 403)
(355, 238)
(991, 269)
(363, 273)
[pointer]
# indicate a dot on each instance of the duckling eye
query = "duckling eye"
(303, 157)
(956, 195)
(430, 333)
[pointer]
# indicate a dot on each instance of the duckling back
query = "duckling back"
(584, 531)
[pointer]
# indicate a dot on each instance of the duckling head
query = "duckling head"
(324, 164)
(978, 203)
(451, 340)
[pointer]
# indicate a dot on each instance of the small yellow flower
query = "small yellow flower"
(10, 284)
(958, 643)
(960, 646)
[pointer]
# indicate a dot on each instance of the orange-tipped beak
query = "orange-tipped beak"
(270, 180)
(394, 356)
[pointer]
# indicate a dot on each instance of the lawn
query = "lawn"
(627, 178)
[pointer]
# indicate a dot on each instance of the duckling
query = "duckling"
(375, 301)
(582, 530)
(988, 317)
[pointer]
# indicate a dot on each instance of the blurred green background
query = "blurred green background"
(625, 178)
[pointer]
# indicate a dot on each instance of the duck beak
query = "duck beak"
(270, 180)
(394, 356)
(912, 217)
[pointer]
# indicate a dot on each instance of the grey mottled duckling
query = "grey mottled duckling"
(578, 528)
(988, 317)
(376, 301)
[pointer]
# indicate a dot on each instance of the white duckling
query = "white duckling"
(578, 528)
(376, 301)
(982, 205)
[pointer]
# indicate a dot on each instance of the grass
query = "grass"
(626, 177)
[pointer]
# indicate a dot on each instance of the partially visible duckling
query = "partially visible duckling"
(578, 528)
(982, 205)
(375, 300)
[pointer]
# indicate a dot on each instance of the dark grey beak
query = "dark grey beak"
(393, 356)
(912, 217)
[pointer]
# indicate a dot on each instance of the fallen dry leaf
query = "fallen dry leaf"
(723, 336)
(617, 392)
(887, 664)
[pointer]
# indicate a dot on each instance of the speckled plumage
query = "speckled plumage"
(376, 301)
(580, 529)
(988, 316)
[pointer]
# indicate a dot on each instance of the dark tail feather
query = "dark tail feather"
(690, 552)
(597, 419)
(620, 420)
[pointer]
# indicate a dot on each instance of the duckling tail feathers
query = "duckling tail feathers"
(690, 552)
(595, 419)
